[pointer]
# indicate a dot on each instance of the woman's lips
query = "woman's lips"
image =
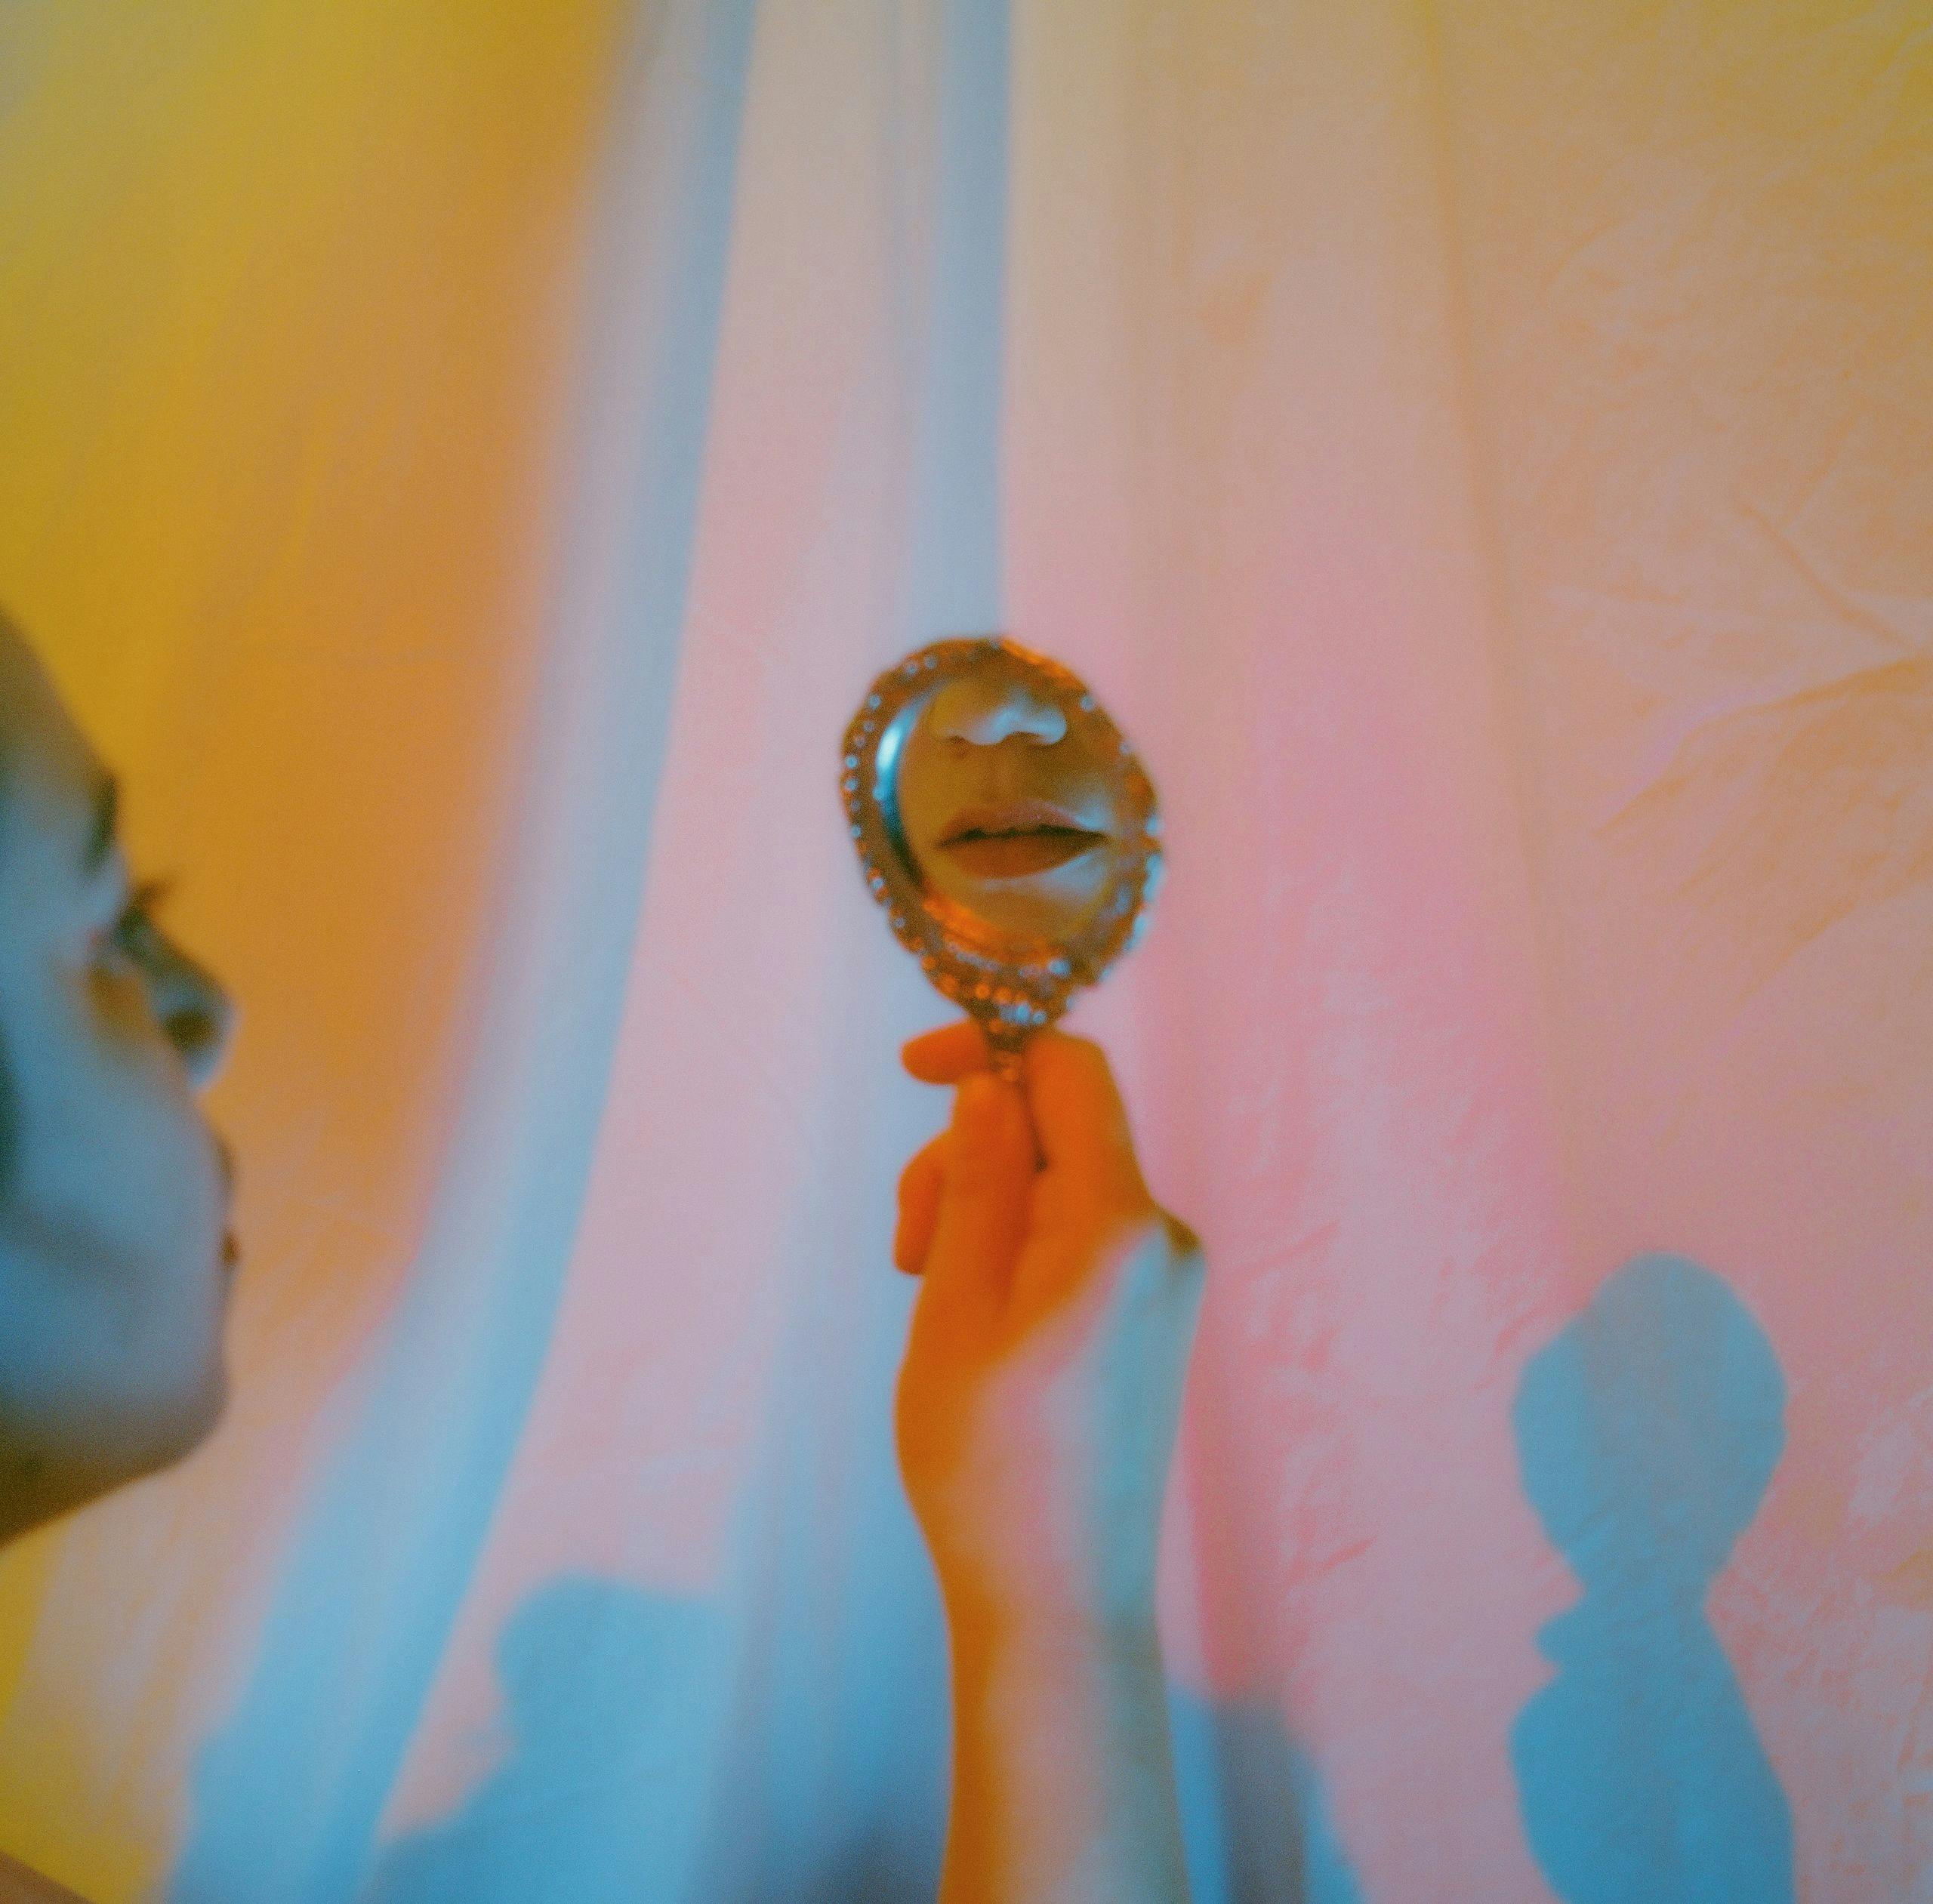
(1016, 842)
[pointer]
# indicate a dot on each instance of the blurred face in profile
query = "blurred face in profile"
(1007, 810)
(115, 1253)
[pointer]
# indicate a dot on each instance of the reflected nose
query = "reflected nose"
(986, 713)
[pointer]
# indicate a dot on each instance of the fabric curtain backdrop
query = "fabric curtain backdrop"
(466, 469)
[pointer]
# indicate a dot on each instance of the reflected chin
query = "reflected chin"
(1054, 905)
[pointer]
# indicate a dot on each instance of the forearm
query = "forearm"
(1063, 1776)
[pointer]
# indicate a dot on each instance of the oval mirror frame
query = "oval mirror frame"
(1013, 985)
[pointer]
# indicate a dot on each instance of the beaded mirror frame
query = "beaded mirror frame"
(1013, 986)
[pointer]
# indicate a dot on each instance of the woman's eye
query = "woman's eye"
(133, 933)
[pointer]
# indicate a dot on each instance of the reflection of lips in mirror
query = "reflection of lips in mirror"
(1017, 840)
(1005, 824)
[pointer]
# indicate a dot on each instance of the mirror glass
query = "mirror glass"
(1005, 824)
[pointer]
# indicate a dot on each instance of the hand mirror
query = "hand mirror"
(1003, 822)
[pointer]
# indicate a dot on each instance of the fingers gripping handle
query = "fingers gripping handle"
(1010, 1019)
(1007, 1043)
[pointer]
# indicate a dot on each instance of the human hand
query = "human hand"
(1041, 1396)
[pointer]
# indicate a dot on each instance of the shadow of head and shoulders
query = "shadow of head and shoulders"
(1648, 1431)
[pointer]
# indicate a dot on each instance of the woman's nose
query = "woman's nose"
(988, 713)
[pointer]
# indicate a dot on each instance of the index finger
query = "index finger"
(947, 1055)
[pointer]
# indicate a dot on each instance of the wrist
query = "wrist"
(1063, 1783)
(1012, 1596)
(1037, 1629)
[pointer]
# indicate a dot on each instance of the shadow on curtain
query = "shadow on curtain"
(1648, 1432)
(1254, 1809)
(597, 1678)
(592, 1799)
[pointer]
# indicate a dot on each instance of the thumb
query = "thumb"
(983, 1205)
